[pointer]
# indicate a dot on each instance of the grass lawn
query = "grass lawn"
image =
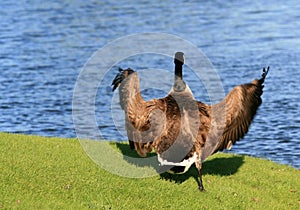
(55, 173)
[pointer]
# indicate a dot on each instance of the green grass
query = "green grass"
(54, 173)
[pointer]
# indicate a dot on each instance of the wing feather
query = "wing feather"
(239, 108)
(146, 121)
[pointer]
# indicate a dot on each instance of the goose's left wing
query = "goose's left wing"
(145, 123)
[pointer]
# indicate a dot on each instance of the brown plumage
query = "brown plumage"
(180, 129)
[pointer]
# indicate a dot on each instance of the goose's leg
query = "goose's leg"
(199, 167)
(131, 144)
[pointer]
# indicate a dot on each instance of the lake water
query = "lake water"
(44, 47)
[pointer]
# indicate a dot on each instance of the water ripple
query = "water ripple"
(44, 47)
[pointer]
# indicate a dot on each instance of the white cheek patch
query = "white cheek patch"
(185, 163)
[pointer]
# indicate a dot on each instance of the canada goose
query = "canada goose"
(181, 130)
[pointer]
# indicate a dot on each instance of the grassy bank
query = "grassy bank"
(54, 173)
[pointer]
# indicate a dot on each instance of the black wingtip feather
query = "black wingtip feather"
(120, 77)
(264, 74)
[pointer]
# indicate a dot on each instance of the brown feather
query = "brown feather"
(241, 105)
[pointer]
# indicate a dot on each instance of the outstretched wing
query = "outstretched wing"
(146, 122)
(240, 107)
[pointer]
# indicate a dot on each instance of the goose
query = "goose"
(182, 130)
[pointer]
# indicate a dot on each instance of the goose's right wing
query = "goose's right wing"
(240, 107)
(231, 118)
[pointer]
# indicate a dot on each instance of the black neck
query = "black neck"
(179, 84)
(178, 70)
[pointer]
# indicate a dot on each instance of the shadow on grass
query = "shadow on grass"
(132, 157)
(218, 166)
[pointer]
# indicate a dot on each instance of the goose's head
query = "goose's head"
(179, 58)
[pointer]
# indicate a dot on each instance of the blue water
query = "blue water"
(44, 46)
